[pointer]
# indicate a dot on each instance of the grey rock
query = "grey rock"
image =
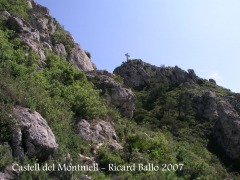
(79, 59)
(60, 50)
(135, 73)
(17, 24)
(34, 137)
(37, 31)
(45, 45)
(115, 145)
(138, 74)
(39, 8)
(9, 172)
(98, 131)
(42, 24)
(114, 93)
(4, 176)
(5, 15)
(41, 54)
(178, 75)
(210, 105)
(227, 130)
(205, 105)
(192, 73)
(51, 26)
(29, 36)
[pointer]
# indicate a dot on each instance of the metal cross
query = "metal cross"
(127, 55)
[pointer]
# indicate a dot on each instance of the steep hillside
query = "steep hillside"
(191, 108)
(60, 118)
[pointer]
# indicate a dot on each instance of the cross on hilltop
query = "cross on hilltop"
(127, 55)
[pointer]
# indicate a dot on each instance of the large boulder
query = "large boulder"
(114, 92)
(227, 130)
(34, 137)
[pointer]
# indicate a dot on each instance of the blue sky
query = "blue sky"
(203, 35)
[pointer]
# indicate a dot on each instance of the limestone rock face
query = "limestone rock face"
(34, 137)
(98, 131)
(138, 74)
(28, 35)
(117, 95)
(205, 105)
(37, 33)
(135, 73)
(227, 130)
(60, 49)
(80, 60)
(39, 8)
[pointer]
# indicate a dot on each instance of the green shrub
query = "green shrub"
(60, 36)
(88, 54)
(106, 158)
(16, 7)
(6, 156)
(7, 122)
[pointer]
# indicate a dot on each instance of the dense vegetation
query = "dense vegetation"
(163, 131)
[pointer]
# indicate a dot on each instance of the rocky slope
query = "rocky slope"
(207, 103)
(39, 32)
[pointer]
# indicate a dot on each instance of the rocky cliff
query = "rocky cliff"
(203, 99)
(41, 32)
(137, 74)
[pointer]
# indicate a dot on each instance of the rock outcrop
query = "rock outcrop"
(138, 74)
(205, 105)
(34, 137)
(135, 73)
(98, 131)
(80, 60)
(37, 32)
(117, 95)
(227, 130)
